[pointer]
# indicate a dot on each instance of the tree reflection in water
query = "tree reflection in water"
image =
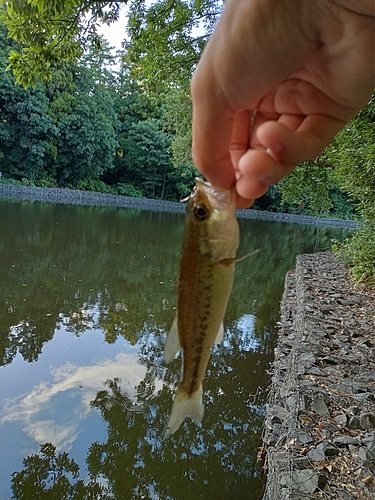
(48, 475)
(115, 271)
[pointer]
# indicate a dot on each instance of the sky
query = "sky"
(115, 33)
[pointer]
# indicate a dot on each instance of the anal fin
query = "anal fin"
(172, 345)
(220, 334)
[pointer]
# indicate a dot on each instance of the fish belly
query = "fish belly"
(201, 307)
(199, 324)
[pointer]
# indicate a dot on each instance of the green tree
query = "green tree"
(63, 132)
(146, 161)
(51, 32)
(313, 188)
(26, 129)
(177, 119)
(353, 155)
(83, 106)
(146, 134)
(166, 39)
(161, 55)
(165, 42)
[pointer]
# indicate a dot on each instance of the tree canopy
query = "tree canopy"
(51, 32)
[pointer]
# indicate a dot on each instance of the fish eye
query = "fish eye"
(201, 212)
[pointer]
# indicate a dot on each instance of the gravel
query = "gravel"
(76, 197)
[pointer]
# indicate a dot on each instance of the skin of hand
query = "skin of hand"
(277, 80)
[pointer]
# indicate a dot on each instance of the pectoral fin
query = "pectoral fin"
(234, 260)
(172, 345)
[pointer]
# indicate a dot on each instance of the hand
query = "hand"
(277, 80)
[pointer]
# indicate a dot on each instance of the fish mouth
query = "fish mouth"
(219, 198)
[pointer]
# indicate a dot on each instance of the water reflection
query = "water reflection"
(39, 410)
(87, 295)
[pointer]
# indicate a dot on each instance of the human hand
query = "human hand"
(302, 69)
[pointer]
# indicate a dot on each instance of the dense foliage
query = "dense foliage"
(124, 125)
(90, 126)
(345, 172)
(353, 154)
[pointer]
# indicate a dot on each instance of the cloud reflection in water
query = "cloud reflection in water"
(67, 398)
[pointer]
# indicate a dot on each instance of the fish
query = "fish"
(207, 262)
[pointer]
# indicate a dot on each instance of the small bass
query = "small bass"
(208, 257)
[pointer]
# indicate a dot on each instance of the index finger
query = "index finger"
(212, 130)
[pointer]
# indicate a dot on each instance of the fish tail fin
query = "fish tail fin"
(185, 405)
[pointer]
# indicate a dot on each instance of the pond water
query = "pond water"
(87, 295)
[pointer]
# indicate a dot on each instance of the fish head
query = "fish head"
(211, 215)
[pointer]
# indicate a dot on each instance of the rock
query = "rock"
(329, 360)
(365, 454)
(331, 370)
(306, 358)
(304, 481)
(291, 402)
(344, 495)
(353, 410)
(282, 460)
(351, 358)
(301, 463)
(343, 440)
(352, 386)
(341, 419)
(314, 370)
(349, 301)
(331, 426)
(319, 406)
(316, 454)
(276, 429)
(363, 397)
(367, 420)
(326, 433)
(328, 449)
(279, 414)
(328, 353)
(368, 440)
(354, 423)
(303, 402)
(304, 437)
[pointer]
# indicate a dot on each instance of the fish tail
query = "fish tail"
(185, 405)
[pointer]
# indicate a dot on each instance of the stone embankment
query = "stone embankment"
(76, 197)
(319, 438)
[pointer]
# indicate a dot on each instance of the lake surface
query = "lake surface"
(87, 296)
